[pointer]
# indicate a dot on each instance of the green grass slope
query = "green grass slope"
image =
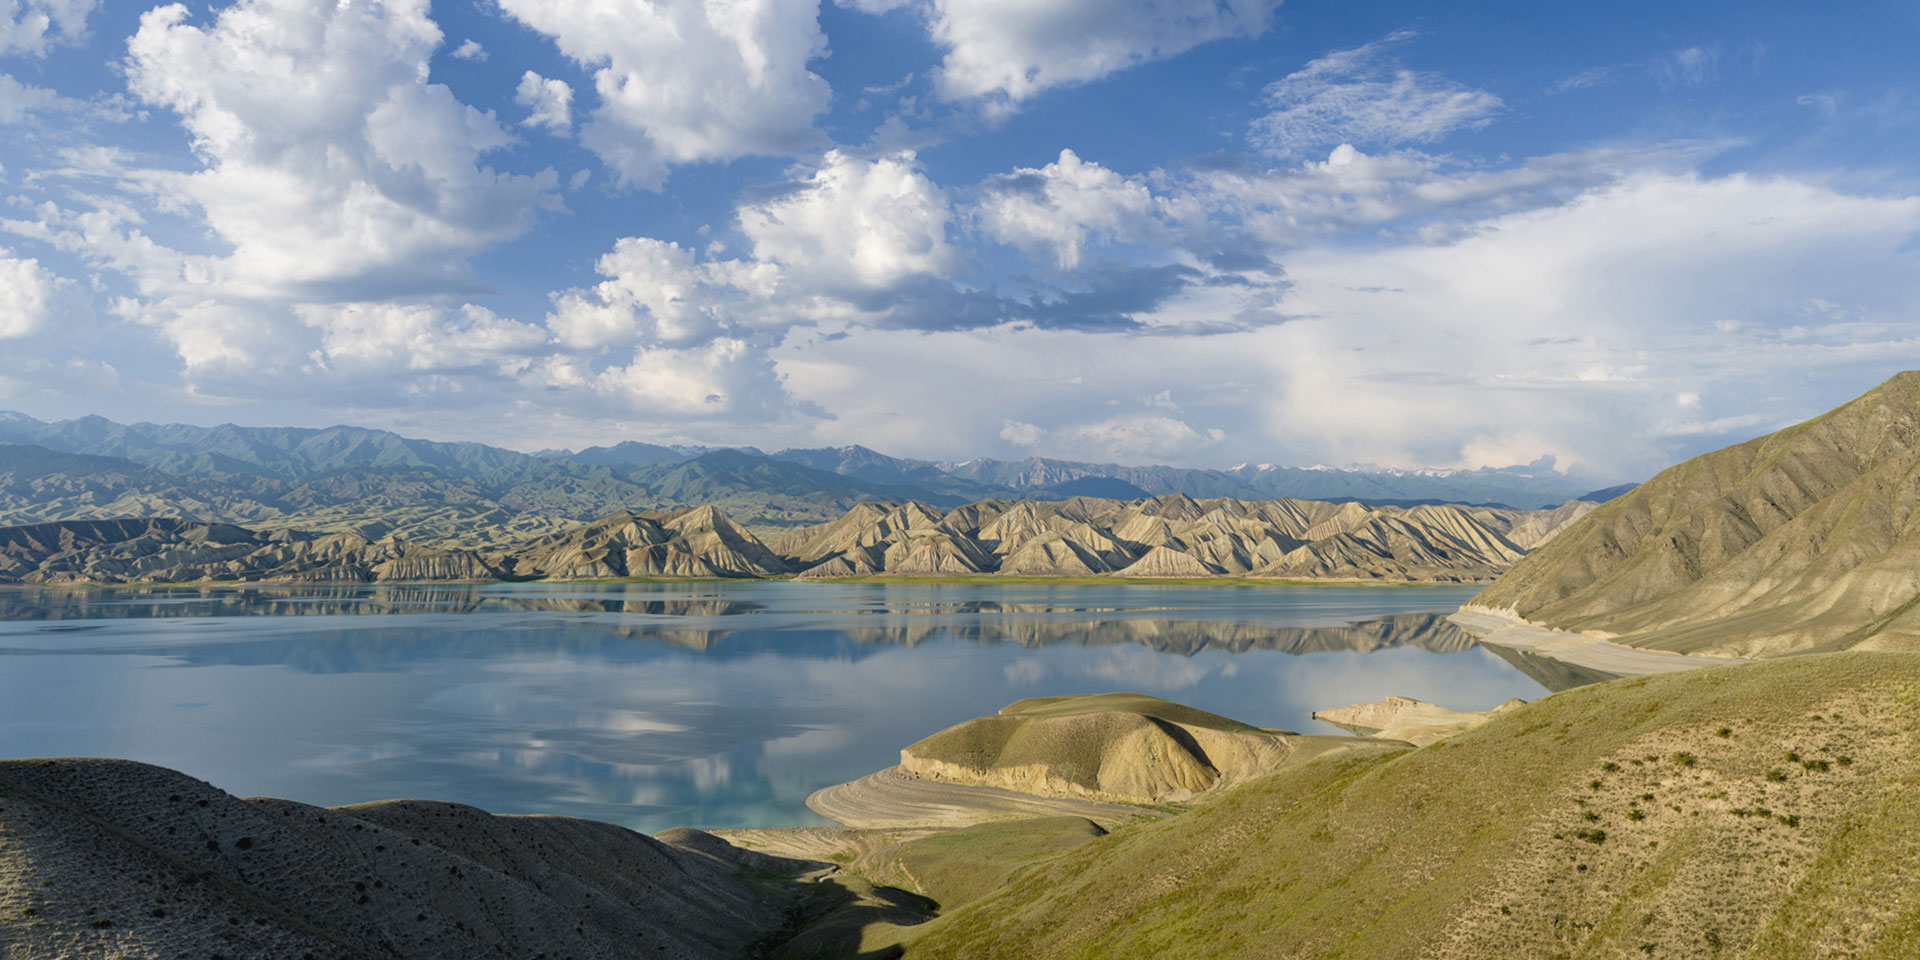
(1766, 810)
(1800, 541)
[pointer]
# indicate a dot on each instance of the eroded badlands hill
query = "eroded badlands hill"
(1162, 537)
(1175, 537)
(173, 551)
(1803, 540)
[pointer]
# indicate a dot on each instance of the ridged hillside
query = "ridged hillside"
(175, 551)
(1175, 536)
(1803, 540)
(694, 542)
(1163, 537)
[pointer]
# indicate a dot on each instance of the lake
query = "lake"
(659, 705)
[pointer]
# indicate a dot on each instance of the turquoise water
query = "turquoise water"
(658, 705)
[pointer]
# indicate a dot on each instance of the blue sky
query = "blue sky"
(1197, 232)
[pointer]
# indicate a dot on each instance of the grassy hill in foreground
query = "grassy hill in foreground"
(1803, 540)
(1761, 810)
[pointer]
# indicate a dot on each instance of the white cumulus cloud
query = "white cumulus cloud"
(330, 165)
(549, 101)
(684, 81)
(856, 223)
(1063, 206)
(655, 291)
(1021, 434)
(32, 26)
(27, 293)
(1138, 439)
(418, 338)
(470, 49)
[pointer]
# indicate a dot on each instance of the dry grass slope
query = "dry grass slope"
(1761, 810)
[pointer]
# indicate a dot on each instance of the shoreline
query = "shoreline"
(1592, 658)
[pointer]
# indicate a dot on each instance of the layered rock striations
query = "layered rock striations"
(174, 551)
(1175, 536)
(1162, 537)
(695, 542)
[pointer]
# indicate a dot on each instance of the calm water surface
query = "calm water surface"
(669, 705)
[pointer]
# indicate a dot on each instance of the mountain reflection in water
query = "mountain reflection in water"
(665, 704)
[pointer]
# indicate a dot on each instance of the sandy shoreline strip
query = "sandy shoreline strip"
(892, 800)
(1502, 629)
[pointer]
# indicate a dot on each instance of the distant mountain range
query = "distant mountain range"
(375, 483)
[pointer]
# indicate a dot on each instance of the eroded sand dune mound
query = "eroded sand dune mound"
(1116, 747)
(102, 858)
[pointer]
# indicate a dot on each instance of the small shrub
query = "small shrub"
(1789, 819)
(1723, 732)
(1843, 760)
(1610, 767)
(1776, 775)
(157, 913)
(1817, 766)
(1590, 816)
(1636, 814)
(102, 923)
(1684, 758)
(1593, 836)
(1791, 756)
(1593, 784)
(1648, 797)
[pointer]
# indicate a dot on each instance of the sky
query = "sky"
(1198, 232)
